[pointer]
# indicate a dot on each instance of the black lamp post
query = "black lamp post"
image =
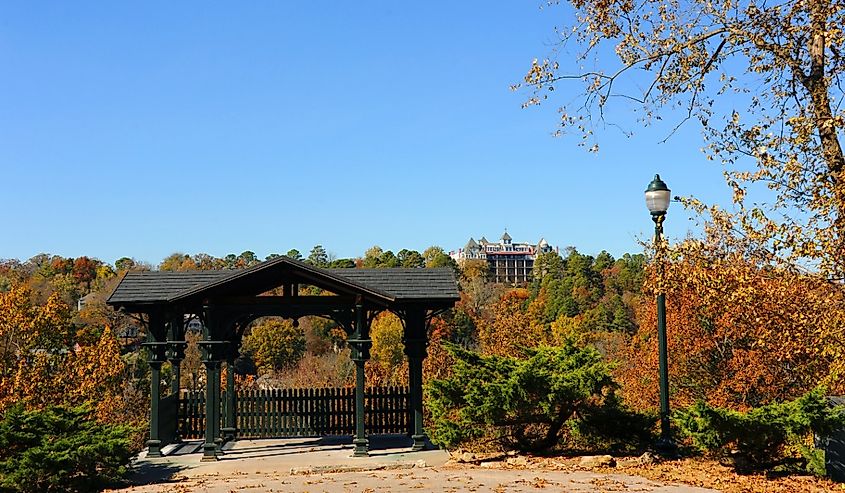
(657, 197)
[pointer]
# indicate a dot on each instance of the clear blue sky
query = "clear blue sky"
(140, 130)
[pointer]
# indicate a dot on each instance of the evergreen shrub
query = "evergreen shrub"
(60, 449)
(531, 403)
(765, 436)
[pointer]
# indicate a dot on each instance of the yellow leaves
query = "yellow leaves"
(568, 328)
(388, 349)
(42, 365)
(95, 373)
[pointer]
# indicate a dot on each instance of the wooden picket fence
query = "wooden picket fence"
(278, 413)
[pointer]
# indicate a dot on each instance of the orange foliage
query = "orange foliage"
(739, 335)
(515, 323)
(42, 365)
(438, 364)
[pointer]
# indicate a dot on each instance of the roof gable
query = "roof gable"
(269, 274)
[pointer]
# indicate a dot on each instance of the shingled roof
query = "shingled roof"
(386, 285)
(159, 286)
(407, 284)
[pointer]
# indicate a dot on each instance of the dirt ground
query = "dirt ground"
(317, 466)
(441, 479)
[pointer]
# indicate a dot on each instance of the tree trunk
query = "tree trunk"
(816, 85)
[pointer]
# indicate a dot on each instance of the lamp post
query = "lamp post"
(657, 197)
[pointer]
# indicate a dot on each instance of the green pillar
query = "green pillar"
(154, 443)
(415, 350)
(229, 429)
(176, 365)
(212, 410)
(156, 350)
(361, 343)
(214, 351)
(176, 350)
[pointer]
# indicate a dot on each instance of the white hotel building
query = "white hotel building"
(508, 262)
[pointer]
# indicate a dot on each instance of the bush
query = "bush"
(60, 449)
(764, 436)
(516, 403)
(612, 427)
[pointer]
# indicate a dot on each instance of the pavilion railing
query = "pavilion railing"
(300, 412)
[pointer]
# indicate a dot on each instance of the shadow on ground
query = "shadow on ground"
(147, 472)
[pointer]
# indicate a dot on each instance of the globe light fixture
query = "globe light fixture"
(657, 196)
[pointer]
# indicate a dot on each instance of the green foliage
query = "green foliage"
(761, 437)
(410, 258)
(377, 258)
(274, 344)
(60, 449)
(594, 294)
(318, 257)
(342, 263)
(519, 403)
(610, 425)
(435, 256)
(294, 254)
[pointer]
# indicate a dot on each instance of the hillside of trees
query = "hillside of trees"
(741, 334)
(737, 334)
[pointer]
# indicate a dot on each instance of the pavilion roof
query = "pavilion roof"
(383, 285)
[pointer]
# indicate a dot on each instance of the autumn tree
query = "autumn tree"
(740, 335)
(177, 262)
(372, 257)
(435, 256)
(47, 360)
(204, 261)
(512, 325)
(192, 374)
(388, 364)
(32, 338)
(763, 81)
(477, 291)
(274, 344)
(85, 270)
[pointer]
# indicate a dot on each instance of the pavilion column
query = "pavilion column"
(175, 355)
(176, 350)
(213, 353)
(415, 349)
(361, 343)
(229, 429)
(156, 346)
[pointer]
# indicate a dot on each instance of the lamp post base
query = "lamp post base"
(154, 449)
(362, 446)
(419, 443)
(666, 447)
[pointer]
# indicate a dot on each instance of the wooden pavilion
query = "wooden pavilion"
(228, 300)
